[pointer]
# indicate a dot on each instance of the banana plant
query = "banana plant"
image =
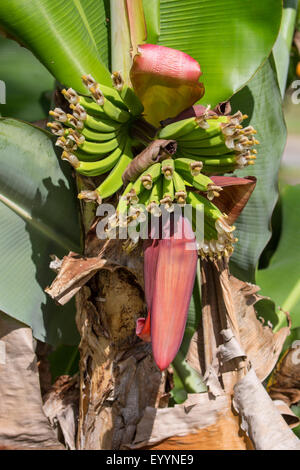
(141, 130)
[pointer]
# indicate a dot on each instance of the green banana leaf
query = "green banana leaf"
(70, 38)
(296, 409)
(39, 217)
(280, 280)
(24, 101)
(261, 101)
(64, 360)
(230, 39)
(282, 47)
(152, 19)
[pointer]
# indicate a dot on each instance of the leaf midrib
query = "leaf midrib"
(46, 230)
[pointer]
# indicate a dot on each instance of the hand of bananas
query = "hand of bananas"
(159, 187)
(96, 139)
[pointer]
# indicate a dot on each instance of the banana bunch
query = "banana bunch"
(172, 181)
(220, 143)
(95, 137)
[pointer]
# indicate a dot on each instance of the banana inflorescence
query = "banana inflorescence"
(206, 145)
(96, 139)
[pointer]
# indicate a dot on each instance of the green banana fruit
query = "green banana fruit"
(101, 148)
(100, 167)
(102, 125)
(108, 92)
(155, 198)
(226, 160)
(167, 168)
(144, 197)
(168, 194)
(124, 201)
(188, 165)
(213, 141)
(178, 129)
(101, 108)
(197, 180)
(114, 182)
(199, 133)
(211, 213)
(93, 108)
(98, 136)
(201, 182)
(179, 187)
(147, 178)
(221, 149)
(112, 111)
(127, 95)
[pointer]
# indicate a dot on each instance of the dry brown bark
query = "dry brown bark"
(61, 404)
(23, 424)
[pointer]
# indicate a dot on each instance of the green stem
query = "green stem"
(192, 381)
(120, 39)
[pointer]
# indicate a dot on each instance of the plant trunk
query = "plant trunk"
(118, 377)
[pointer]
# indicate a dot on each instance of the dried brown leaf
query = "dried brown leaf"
(23, 424)
(201, 422)
(75, 272)
(61, 408)
(157, 151)
(261, 345)
(231, 326)
(285, 382)
(290, 418)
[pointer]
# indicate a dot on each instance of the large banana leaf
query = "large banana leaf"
(69, 37)
(230, 39)
(280, 280)
(39, 217)
(283, 44)
(24, 101)
(261, 100)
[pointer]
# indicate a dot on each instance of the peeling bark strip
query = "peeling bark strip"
(61, 408)
(157, 151)
(219, 316)
(74, 272)
(23, 424)
(200, 423)
(260, 417)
